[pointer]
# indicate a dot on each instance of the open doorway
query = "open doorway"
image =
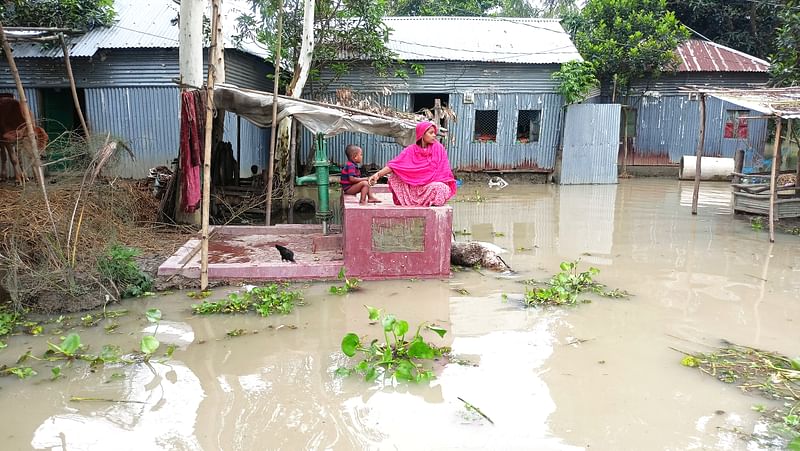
(61, 121)
(421, 102)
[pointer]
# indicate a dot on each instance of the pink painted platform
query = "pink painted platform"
(386, 241)
(377, 241)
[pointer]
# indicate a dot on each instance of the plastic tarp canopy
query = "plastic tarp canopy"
(256, 106)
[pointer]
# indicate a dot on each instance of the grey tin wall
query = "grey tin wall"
(591, 144)
(148, 119)
(452, 76)
(670, 84)
(668, 127)
(139, 67)
(464, 153)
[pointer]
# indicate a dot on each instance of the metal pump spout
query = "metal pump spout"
(320, 177)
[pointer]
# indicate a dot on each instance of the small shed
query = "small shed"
(663, 121)
(494, 74)
(126, 76)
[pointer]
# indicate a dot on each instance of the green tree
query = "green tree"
(785, 69)
(345, 33)
(746, 25)
(82, 15)
(627, 39)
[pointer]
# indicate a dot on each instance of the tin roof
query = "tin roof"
(141, 24)
(491, 39)
(705, 56)
(780, 102)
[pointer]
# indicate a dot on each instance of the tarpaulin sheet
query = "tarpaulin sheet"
(327, 119)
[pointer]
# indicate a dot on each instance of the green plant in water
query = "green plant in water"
(757, 223)
(150, 343)
(117, 265)
(264, 300)
(350, 283)
(395, 357)
(565, 287)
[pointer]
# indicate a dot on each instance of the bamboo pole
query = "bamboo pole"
(72, 87)
(213, 54)
(26, 114)
(274, 127)
(700, 144)
(776, 162)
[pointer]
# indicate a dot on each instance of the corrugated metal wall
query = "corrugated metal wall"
(671, 83)
(450, 76)
(139, 67)
(131, 94)
(148, 119)
(506, 154)
(145, 117)
(591, 144)
(668, 127)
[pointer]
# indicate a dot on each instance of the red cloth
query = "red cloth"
(418, 166)
(191, 148)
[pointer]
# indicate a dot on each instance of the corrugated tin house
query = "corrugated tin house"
(125, 77)
(493, 73)
(663, 122)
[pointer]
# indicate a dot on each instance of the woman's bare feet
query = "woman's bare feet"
(374, 200)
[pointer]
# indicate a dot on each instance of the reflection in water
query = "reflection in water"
(156, 409)
(603, 375)
(586, 221)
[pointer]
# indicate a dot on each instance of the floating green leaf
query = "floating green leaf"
(374, 313)
(439, 331)
(400, 328)
(153, 315)
(420, 350)
(149, 344)
(349, 344)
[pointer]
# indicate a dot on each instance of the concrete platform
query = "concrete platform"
(386, 241)
(248, 253)
(377, 241)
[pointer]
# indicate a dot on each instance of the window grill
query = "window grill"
(736, 124)
(528, 124)
(485, 130)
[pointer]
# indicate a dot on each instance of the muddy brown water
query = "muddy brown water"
(601, 376)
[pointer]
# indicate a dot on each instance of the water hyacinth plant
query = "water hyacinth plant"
(395, 356)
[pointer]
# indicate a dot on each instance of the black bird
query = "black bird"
(286, 254)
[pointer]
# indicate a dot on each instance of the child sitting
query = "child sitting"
(351, 182)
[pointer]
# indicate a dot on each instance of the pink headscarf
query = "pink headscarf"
(419, 166)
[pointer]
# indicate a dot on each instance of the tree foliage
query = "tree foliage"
(627, 39)
(83, 15)
(576, 80)
(746, 25)
(504, 8)
(785, 69)
(346, 32)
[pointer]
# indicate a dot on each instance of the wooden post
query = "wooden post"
(274, 127)
(776, 158)
(738, 166)
(624, 142)
(213, 55)
(72, 87)
(437, 112)
(26, 113)
(699, 153)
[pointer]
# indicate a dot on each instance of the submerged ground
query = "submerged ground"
(600, 376)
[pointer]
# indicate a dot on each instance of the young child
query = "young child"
(351, 182)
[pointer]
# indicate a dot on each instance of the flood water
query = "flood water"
(600, 376)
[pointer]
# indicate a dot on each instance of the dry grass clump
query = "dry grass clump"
(48, 257)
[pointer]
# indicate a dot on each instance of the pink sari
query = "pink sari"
(421, 176)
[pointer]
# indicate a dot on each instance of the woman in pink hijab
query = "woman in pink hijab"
(421, 174)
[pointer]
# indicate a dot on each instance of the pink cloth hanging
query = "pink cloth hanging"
(191, 148)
